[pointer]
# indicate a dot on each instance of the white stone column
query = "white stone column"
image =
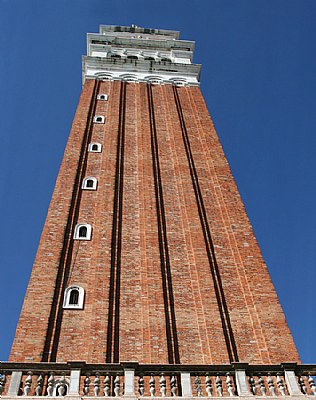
(186, 384)
(129, 389)
(15, 382)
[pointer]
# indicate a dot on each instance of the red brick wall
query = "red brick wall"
(33, 323)
(152, 281)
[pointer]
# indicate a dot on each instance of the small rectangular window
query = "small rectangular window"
(102, 96)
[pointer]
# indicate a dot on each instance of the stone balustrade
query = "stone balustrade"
(133, 380)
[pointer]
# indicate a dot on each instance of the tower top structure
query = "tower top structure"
(140, 54)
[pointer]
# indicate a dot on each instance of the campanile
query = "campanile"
(148, 265)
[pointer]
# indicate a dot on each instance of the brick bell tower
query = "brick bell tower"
(148, 279)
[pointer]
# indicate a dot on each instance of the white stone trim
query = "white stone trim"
(102, 96)
(67, 294)
(99, 119)
(77, 232)
(85, 183)
(143, 77)
(93, 144)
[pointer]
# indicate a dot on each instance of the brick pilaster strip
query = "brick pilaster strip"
(218, 287)
(171, 328)
(113, 334)
(56, 313)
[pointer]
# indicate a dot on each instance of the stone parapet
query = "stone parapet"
(74, 380)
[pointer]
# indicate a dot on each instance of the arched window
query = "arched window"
(82, 232)
(98, 119)
(102, 96)
(132, 57)
(95, 147)
(74, 297)
(149, 58)
(115, 56)
(90, 183)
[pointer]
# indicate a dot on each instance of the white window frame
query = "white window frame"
(77, 229)
(102, 96)
(99, 150)
(67, 294)
(85, 182)
(96, 117)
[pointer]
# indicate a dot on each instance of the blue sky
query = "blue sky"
(258, 79)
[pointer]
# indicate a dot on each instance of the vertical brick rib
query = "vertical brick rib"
(218, 287)
(56, 313)
(112, 353)
(170, 319)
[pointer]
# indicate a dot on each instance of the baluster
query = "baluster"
(107, 385)
(96, 384)
(219, 387)
(2, 383)
(162, 383)
(62, 386)
(50, 382)
(208, 385)
(280, 384)
(86, 385)
(117, 386)
(28, 384)
(198, 387)
(262, 386)
(312, 384)
(229, 384)
(302, 384)
(252, 385)
(152, 388)
(173, 385)
(271, 385)
(39, 385)
(141, 385)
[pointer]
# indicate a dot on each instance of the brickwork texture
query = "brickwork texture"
(173, 272)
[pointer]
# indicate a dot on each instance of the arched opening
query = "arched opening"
(74, 297)
(149, 58)
(83, 232)
(132, 57)
(89, 183)
(94, 147)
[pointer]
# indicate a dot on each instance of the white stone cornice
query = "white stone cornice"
(140, 70)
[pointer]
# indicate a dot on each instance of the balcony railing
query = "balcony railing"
(140, 380)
